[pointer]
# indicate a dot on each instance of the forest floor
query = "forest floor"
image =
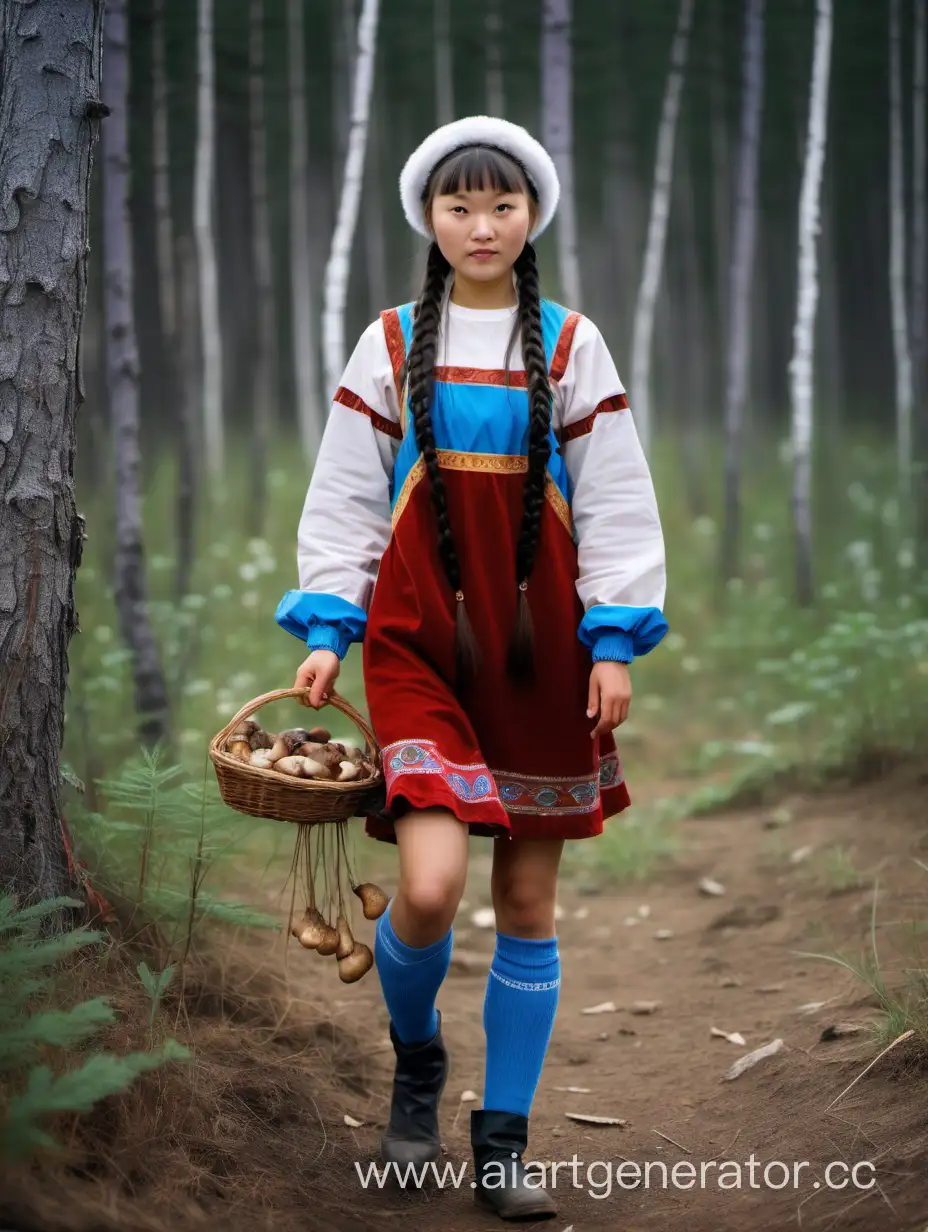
(259, 1139)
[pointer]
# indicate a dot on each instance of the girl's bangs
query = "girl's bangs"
(476, 168)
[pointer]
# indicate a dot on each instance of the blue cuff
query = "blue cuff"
(613, 646)
(620, 633)
(323, 622)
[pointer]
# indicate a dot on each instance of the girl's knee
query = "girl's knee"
(432, 900)
(524, 909)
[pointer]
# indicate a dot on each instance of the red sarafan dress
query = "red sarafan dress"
(506, 759)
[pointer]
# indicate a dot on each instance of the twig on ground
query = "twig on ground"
(673, 1142)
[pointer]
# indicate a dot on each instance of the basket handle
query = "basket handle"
(276, 695)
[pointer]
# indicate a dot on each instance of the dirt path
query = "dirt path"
(731, 962)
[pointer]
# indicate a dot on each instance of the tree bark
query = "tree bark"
(741, 279)
(801, 364)
(185, 441)
(264, 392)
(495, 88)
(897, 267)
(557, 137)
(657, 228)
(49, 105)
(444, 63)
(122, 364)
(339, 264)
(920, 282)
(309, 417)
(204, 230)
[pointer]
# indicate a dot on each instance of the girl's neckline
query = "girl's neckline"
(481, 314)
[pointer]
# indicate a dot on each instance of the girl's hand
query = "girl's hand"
(610, 695)
(319, 670)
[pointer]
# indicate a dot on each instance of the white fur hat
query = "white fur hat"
(480, 130)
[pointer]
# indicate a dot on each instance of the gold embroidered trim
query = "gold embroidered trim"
(559, 504)
(496, 463)
(416, 473)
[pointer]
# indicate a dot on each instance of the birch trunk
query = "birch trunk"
(657, 228)
(375, 240)
(496, 95)
(339, 263)
(920, 280)
(122, 366)
(801, 364)
(741, 279)
(204, 181)
(897, 267)
(174, 396)
(309, 416)
(264, 389)
(721, 177)
(557, 137)
(49, 104)
(444, 63)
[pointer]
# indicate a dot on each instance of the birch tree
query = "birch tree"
(444, 62)
(309, 417)
(897, 266)
(49, 110)
(493, 35)
(741, 277)
(264, 389)
(920, 281)
(207, 274)
(643, 328)
(165, 248)
(122, 365)
(339, 263)
(557, 136)
(801, 365)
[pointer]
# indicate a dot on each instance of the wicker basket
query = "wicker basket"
(270, 794)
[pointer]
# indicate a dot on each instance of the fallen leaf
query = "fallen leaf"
(714, 889)
(810, 1007)
(839, 1029)
(576, 1090)
(643, 1007)
(581, 913)
(800, 854)
(587, 1118)
(483, 917)
(733, 1037)
(752, 1058)
(644, 911)
(352, 1123)
(603, 1035)
(663, 934)
(604, 1007)
(630, 920)
(729, 981)
(770, 988)
(468, 1097)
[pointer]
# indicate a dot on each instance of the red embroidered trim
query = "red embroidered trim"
(396, 345)
(618, 402)
(480, 376)
(564, 343)
(346, 398)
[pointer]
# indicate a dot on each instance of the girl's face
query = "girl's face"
(481, 232)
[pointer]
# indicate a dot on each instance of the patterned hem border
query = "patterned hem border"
(517, 793)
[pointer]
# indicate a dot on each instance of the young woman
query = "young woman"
(488, 529)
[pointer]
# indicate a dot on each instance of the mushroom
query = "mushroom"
(373, 899)
(245, 728)
(353, 753)
(261, 759)
(329, 943)
(355, 964)
(289, 765)
(345, 940)
(260, 739)
(348, 770)
(310, 930)
(320, 734)
(287, 743)
(313, 769)
(239, 747)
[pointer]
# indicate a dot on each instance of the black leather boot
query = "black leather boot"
(501, 1188)
(411, 1135)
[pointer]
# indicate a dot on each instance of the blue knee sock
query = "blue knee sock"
(410, 977)
(518, 1016)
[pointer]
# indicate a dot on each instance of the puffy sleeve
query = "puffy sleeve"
(622, 574)
(346, 520)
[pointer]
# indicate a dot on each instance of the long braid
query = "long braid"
(420, 369)
(521, 659)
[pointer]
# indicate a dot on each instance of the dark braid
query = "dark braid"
(521, 660)
(420, 372)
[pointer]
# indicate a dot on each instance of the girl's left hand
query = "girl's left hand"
(610, 695)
